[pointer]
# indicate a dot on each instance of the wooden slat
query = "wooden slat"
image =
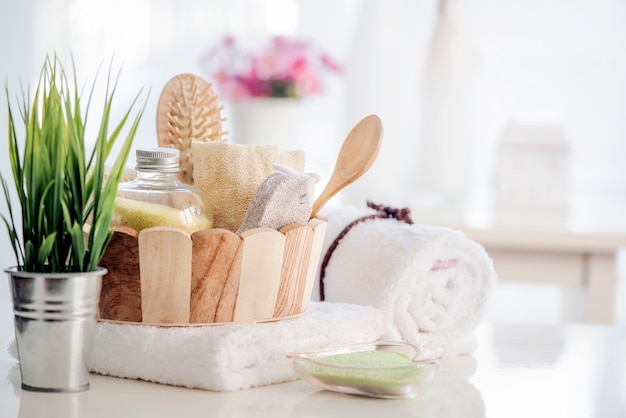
(214, 275)
(120, 298)
(228, 302)
(262, 257)
(319, 231)
(298, 239)
(165, 265)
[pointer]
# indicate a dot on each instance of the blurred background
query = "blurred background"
(495, 111)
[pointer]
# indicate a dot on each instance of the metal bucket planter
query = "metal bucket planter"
(55, 317)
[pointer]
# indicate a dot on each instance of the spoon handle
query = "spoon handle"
(324, 197)
(357, 154)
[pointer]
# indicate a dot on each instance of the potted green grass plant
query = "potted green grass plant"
(61, 229)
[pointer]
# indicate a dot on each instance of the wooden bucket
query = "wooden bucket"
(165, 276)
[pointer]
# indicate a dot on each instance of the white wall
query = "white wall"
(444, 88)
(151, 41)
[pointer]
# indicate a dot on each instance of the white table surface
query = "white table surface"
(518, 371)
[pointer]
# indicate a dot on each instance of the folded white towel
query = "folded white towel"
(228, 357)
(431, 282)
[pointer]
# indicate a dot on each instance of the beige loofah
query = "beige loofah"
(228, 175)
(188, 111)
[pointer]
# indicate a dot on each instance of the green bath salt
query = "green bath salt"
(366, 369)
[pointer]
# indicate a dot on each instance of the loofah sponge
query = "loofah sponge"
(228, 175)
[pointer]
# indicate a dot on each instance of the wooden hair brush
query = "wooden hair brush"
(188, 110)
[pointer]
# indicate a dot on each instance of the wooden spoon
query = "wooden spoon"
(357, 154)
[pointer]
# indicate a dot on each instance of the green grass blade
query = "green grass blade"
(46, 248)
(60, 187)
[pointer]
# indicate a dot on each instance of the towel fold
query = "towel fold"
(432, 283)
(228, 357)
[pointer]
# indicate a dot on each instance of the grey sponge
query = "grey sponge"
(283, 198)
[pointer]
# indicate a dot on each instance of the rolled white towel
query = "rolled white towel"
(432, 283)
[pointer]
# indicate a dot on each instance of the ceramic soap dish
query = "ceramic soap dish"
(380, 369)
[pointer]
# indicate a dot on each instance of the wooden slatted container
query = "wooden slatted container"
(165, 276)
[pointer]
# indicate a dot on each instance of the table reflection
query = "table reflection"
(449, 395)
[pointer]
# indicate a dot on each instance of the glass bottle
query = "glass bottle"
(156, 197)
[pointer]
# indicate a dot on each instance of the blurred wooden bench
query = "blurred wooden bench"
(570, 260)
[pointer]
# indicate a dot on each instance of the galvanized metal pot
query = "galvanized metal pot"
(55, 317)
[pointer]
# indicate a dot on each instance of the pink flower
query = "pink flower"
(283, 68)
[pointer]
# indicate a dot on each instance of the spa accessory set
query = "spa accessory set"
(225, 273)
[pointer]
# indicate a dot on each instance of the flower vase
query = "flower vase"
(55, 318)
(267, 121)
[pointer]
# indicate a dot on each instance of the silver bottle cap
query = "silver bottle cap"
(158, 159)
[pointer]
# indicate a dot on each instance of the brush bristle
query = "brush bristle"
(188, 110)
